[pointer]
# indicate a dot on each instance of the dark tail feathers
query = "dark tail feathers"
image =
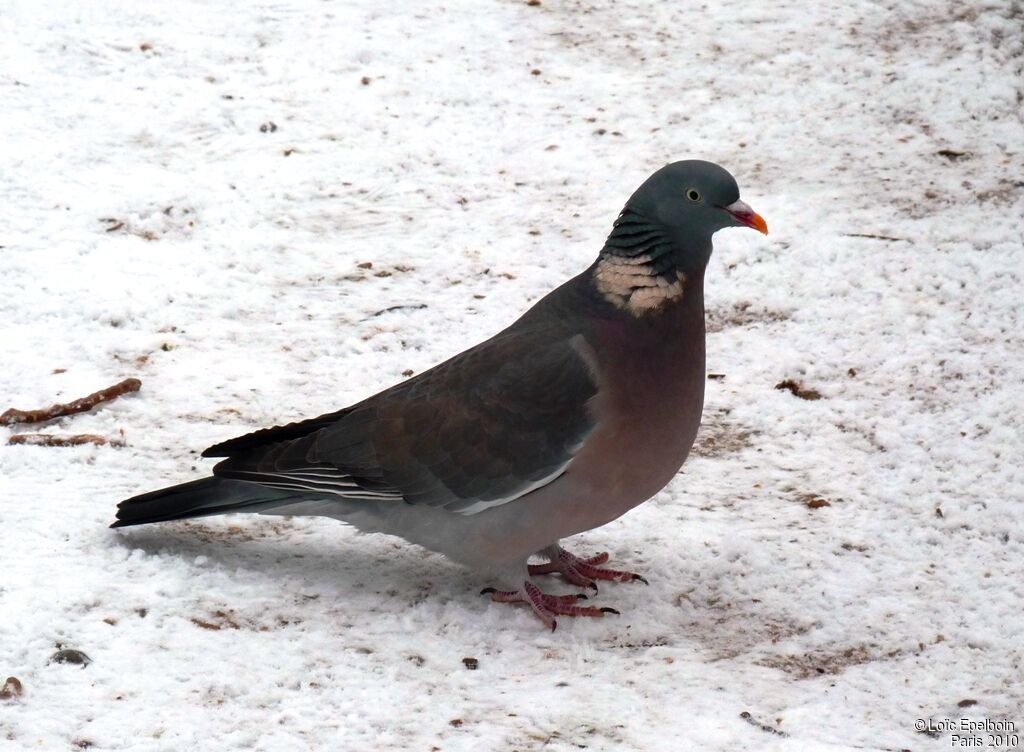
(199, 498)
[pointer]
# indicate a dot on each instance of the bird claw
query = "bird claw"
(580, 572)
(584, 572)
(547, 606)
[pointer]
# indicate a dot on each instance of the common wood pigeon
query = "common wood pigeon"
(582, 409)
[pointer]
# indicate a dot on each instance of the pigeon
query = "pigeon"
(582, 409)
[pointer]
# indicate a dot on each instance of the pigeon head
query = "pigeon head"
(663, 235)
(693, 200)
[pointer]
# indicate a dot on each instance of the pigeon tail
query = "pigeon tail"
(199, 498)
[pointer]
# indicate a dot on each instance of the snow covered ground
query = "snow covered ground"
(266, 211)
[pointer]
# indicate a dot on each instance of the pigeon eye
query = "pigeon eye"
(692, 195)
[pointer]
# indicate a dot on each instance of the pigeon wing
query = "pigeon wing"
(482, 429)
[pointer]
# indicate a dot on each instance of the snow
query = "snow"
(154, 224)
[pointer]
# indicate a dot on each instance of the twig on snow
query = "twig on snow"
(70, 408)
(49, 439)
(408, 307)
(872, 236)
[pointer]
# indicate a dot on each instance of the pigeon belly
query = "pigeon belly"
(649, 412)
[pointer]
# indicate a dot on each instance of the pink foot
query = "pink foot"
(583, 572)
(547, 606)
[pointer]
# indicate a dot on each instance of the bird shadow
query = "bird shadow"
(334, 562)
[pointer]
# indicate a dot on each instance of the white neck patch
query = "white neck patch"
(627, 283)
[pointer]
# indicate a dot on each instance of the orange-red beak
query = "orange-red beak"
(745, 215)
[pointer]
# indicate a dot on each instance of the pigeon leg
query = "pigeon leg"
(546, 606)
(582, 572)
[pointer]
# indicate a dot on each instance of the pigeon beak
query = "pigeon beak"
(747, 216)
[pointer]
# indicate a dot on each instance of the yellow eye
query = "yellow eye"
(692, 195)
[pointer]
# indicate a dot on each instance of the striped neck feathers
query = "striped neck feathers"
(636, 270)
